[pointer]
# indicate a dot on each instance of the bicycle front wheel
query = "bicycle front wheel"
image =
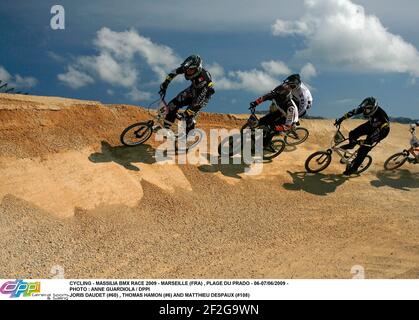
(365, 164)
(395, 161)
(318, 161)
(136, 134)
(296, 136)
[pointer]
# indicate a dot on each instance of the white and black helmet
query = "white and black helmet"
(370, 106)
(294, 81)
(192, 66)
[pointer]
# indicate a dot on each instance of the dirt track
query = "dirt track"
(72, 196)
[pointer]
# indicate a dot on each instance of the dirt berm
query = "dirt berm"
(72, 196)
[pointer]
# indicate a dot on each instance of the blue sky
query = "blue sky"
(118, 52)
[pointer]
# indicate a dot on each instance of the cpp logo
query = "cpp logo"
(19, 287)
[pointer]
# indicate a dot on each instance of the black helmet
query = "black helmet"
(294, 81)
(370, 106)
(192, 66)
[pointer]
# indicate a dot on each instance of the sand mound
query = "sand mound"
(100, 209)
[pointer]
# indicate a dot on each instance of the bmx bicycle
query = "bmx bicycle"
(320, 160)
(410, 155)
(272, 148)
(138, 133)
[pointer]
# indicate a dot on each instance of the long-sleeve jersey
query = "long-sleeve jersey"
(202, 86)
(283, 99)
(378, 119)
(303, 98)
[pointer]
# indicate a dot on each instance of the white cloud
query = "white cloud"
(117, 60)
(215, 70)
(16, 81)
(24, 82)
(276, 68)
(125, 45)
(56, 57)
(340, 34)
(286, 28)
(250, 80)
(254, 80)
(75, 79)
(308, 71)
(106, 68)
(137, 95)
(4, 75)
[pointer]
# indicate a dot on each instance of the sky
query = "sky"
(120, 51)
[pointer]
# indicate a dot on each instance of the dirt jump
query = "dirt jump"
(71, 195)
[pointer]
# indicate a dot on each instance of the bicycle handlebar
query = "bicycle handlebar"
(252, 109)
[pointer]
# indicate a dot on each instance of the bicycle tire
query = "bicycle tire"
(365, 166)
(301, 134)
(325, 163)
(145, 135)
(387, 163)
(278, 150)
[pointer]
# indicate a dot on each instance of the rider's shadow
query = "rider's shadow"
(230, 169)
(124, 155)
(315, 183)
(398, 179)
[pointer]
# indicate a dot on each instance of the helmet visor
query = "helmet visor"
(368, 109)
(191, 71)
(290, 85)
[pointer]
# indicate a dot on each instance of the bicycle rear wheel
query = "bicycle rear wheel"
(136, 134)
(318, 161)
(296, 136)
(395, 161)
(275, 148)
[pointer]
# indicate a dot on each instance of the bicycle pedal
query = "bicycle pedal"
(155, 128)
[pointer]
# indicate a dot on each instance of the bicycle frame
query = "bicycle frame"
(346, 156)
(161, 113)
(414, 142)
(253, 119)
